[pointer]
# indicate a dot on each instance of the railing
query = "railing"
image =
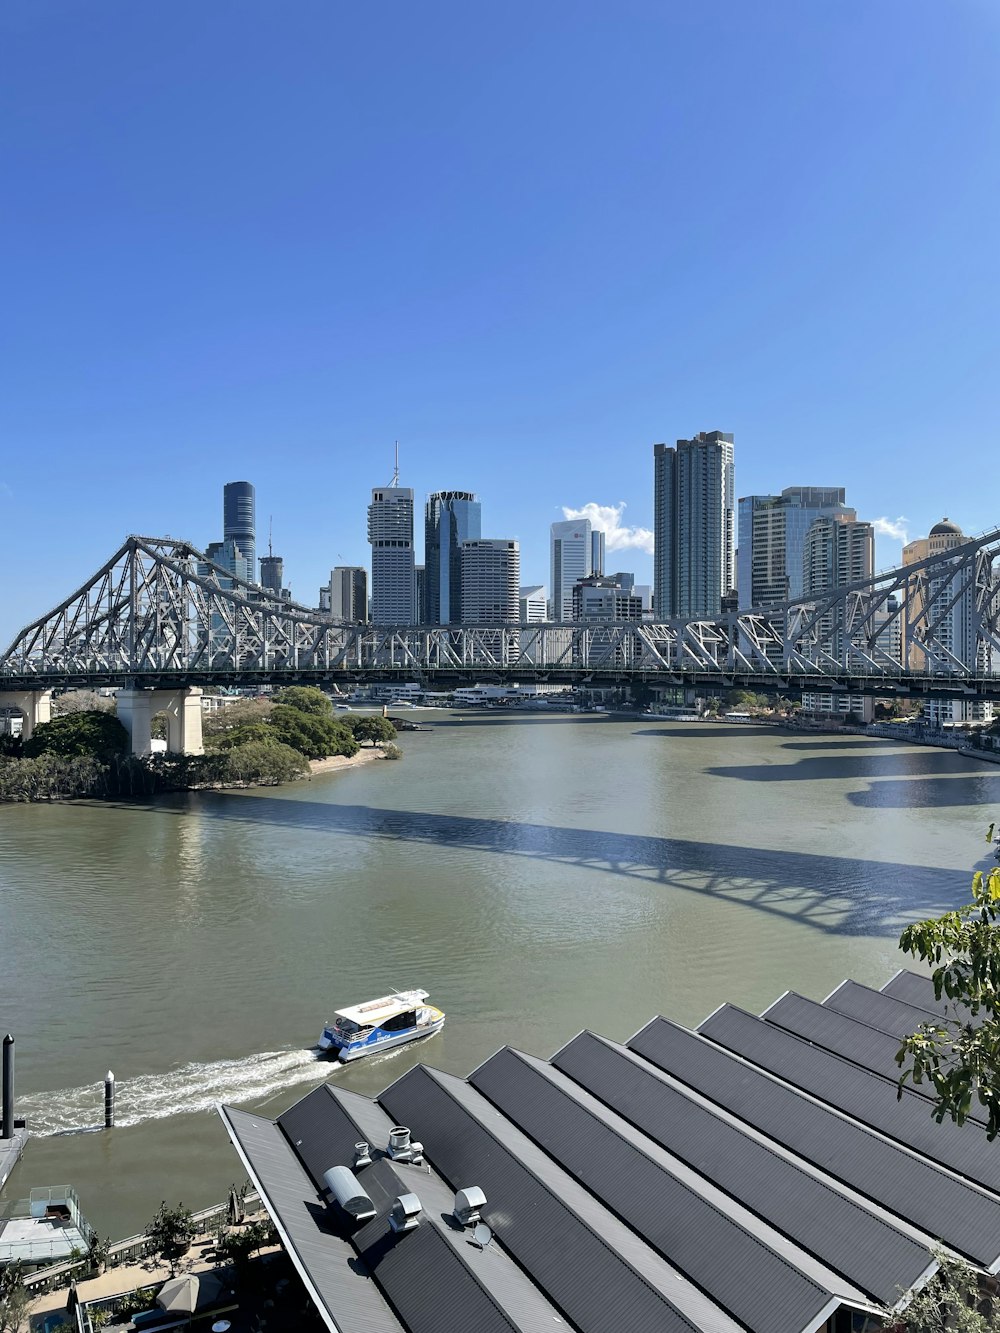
(131, 1250)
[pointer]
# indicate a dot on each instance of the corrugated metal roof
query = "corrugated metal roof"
(939, 1203)
(685, 1220)
(319, 1251)
(877, 1009)
(867, 1250)
(912, 988)
(599, 1274)
(852, 1040)
(864, 1096)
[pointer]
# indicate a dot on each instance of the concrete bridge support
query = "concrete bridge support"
(183, 710)
(34, 705)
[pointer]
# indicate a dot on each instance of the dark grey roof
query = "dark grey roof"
(877, 1009)
(939, 1203)
(687, 1226)
(864, 1096)
(868, 1251)
(914, 989)
(847, 1037)
(318, 1248)
(600, 1275)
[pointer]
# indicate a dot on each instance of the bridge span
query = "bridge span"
(160, 616)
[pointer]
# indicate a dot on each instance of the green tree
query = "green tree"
(259, 733)
(81, 701)
(244, 712)
(306, 698)
(170, 1233)
(14, 1299)
(959, 1058)
(311, 734)
(263, 764)
(96, 734)
(952, 1302)
(375, 730)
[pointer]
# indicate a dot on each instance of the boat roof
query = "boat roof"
(375, 1011)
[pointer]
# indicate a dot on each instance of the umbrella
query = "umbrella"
(184, 1295)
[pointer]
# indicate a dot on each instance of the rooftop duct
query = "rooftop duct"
(341, 1183)
(402, 1148)
(405, 1213)
(362, 1155)
(468, 1203)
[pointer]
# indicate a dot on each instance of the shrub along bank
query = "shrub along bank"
(251, 743)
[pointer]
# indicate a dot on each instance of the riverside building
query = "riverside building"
(954, 610)
(694, 555)
(771, 541)
(390, 532)
(450, 518)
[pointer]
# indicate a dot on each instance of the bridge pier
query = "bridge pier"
(183, 710)
(34, 705)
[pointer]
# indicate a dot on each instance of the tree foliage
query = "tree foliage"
(959, 1055)
(244, 712)
(312, 734)
(14, 1299)
(170, 1232)
(81, 701)
(373, 729)
(93, 734)
(952, 1302)
(306, 699)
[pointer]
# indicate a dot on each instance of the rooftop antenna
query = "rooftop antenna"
(270, 533)
(395, 471)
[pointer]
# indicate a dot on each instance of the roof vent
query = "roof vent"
(402, 1148)
(362, 1155)
(468, 1204)
(405, 1213)
(349, 1194)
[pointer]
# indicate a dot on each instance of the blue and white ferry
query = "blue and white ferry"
(381, 1024)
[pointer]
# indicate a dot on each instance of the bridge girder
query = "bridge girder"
(160, 609)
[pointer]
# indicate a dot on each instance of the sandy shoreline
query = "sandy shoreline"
(338, 761)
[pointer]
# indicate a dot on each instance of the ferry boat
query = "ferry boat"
(379, 1025)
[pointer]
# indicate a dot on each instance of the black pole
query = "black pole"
(7, 1128)
(109, 1101)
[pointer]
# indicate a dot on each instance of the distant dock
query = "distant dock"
(10, 1151)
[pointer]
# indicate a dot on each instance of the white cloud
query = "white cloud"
(896, 528)
(608, 519)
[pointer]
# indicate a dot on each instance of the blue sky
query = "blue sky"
(262, 241)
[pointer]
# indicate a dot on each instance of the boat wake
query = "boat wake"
(190, 1087)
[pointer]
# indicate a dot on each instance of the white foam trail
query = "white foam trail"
(191, 1087)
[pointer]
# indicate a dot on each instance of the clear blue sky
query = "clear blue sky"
(243, 239)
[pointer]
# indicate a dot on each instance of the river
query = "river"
(536, 873)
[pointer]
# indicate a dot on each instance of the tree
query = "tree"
(244, 712)
(14, 1299)
(375, 730)
(311, 734)
(958, 1057)
(952, 1302)
(306, 698)
(86, 734)
(170, 1232)
(264, 765)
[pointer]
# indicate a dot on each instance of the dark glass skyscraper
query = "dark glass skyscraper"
(239, 522)
(450, 518)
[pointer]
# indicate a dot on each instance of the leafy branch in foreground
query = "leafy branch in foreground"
(959, 1055)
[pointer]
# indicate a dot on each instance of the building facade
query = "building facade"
(272, 574)
(348, 593)
(694, 525)
(838, 549)
(603, 598)
(533, 605)
(390, 532)
(239, 523)
(491, 581)
(952, 611)
(450, 518)
(771, 541)
(571, 559)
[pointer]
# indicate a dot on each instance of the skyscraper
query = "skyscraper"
(532, 605)
(572, 559)
(694, 554)
(772, 530)
(450, 518)
(491, 577)
(272, 573)
(239, 521)
(952, 609)
(349, 593)
(390, 532)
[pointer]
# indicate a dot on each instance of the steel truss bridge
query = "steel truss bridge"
(160, 614)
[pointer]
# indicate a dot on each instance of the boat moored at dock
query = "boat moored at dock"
(378, 1025)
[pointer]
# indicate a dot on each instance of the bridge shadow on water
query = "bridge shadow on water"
(875, 764)
(834, 895)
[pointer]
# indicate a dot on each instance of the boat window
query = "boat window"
(400, 1022)
(347, 1025)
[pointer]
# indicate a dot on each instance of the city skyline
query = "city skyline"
(524, 294)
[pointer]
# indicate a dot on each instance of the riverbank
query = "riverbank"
(336, 762)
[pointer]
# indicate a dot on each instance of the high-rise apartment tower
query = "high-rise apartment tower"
(694, 555)
(771, 541)
(239, 521)
(390, 532)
